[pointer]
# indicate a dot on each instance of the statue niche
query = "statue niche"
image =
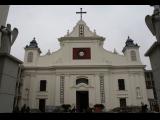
(8, 37)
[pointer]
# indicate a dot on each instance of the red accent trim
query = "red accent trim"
(87, 53)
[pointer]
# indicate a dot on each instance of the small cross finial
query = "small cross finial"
(34, 38)
(115, 51)
(67, 32)
(94, 31)
(48, 53)
(81, 13)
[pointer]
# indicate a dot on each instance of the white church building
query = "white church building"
(82, 73)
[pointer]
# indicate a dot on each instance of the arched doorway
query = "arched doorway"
(82, 97)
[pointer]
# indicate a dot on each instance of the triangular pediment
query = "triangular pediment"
(81, 28)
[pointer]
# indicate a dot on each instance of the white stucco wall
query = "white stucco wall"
(112, 66)
(132, 79)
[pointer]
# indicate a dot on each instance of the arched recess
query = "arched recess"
(30, 57)
(82, 80)
(133, 56)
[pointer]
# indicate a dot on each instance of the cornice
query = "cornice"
(83, 67)
(81, 38)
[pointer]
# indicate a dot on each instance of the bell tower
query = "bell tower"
(32, 52)
(131, 51)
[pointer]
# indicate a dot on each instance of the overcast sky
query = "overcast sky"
(49, 22)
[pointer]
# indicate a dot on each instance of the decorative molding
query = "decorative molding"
(119, 94)
(122, 96)
(102, 92)
(42, 94)
(75, 73)
(127, 72)
(82, 85)
(80, 76)
(62, 89)
(80, 38)
(38, 73)
(109, 67)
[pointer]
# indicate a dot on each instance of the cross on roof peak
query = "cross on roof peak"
(81, 13)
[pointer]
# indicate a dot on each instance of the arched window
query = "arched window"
(82, 80)
(133, 56)
(138, 92)
(30, 57)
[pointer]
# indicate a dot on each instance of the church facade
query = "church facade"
(82, 73)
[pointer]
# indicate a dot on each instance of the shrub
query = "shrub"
(98, 107)
(127, 109)
(66, 107)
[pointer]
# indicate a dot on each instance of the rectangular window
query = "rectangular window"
(122, 102)
(43, 85)
(149, 84)
(121, 84)
(42, 103)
